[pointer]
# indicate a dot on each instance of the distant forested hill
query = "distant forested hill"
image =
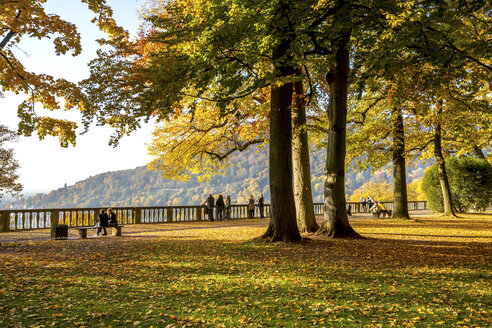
(141, 187)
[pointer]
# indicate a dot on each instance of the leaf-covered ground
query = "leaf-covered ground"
(427, 272)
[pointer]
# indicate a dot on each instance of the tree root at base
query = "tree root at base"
(338, 231)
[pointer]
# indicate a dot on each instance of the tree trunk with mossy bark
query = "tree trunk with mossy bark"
(300, 156)
(336, 224)
(400, 200)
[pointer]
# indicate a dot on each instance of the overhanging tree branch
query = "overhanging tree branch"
(239, 147)
(10, 34)
(23, 80)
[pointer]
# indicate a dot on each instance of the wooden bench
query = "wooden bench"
(386, 213)
(83, 230)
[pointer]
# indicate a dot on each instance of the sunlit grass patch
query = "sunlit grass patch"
(425, 272)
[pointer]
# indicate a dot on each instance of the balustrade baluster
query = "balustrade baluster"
(169, 214)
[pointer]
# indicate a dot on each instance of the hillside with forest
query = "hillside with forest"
(247, 175)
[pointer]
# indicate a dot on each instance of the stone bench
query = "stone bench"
(83, 230)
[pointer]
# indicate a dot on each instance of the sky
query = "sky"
(44, 165)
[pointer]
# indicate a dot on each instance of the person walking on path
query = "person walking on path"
(219, 212)
(102, 223)
(251, 207)
(261, 206)
(113, 222)
(227, 207)
(209, 202)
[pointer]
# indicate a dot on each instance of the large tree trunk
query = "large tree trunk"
(441, 167)
(300, 156)
(336, 223)
(400, 199)
(283, 225)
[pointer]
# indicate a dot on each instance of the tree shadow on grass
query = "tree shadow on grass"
(287, 282)
(431, 236)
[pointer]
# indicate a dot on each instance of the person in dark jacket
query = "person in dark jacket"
(113, 222)
(209, 202)
(102, 222)
(261, 206)
(219, 211)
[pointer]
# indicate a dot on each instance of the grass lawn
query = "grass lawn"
(427, 272)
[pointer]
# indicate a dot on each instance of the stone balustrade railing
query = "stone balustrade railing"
(30, 219)
(357, 207)
(412, 206)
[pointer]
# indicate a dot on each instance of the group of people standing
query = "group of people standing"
(105, 220)
(261, 207)
(367, 204)
(223, 207)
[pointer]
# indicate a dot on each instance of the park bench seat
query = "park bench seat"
(385, 213)
(83, 230)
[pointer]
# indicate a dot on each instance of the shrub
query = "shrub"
(470, 181)
(432, 189)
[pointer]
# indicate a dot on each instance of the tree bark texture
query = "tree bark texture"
(441, 168)
(336, 223)
(400, 199)
(283, 225)
(302, 169)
